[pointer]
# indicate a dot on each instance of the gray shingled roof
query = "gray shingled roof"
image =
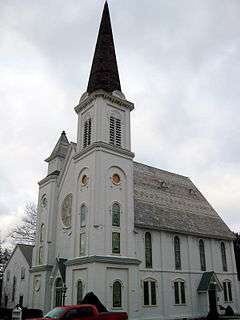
(171, 202)
(27, 251)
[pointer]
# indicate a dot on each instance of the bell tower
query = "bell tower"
(103, 111)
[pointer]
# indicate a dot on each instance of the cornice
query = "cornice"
(100, 146)
(52, 176)
(103, 259)
(46, 267)
(100, 93)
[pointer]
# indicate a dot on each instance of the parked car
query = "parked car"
(82, 312)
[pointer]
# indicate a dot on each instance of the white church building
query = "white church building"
(144, 240)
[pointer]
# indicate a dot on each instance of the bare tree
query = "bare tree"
(25, 231)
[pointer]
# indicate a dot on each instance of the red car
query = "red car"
(82, 312)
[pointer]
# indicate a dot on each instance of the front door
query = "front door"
(212, 299)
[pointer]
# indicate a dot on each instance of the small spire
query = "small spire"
(104, 72)
(60, 149)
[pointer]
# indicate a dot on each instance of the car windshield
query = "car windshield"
(55, 313)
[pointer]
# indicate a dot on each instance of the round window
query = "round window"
(84, 180)
(116, 178)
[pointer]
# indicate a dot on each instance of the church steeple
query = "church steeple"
(104, 72)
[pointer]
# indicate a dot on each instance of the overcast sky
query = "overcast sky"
(178, 62)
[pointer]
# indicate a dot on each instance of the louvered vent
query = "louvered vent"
(115, 131)
(87, 133)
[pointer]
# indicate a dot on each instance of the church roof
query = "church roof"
(61, 148)
(171, 202)
(207, 279)
(104, 72)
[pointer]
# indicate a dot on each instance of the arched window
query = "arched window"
(227, 291)
(179, 291)
(40, 255)
(42, 232)
(117, 294)
(177, 253)
(202, 255)
(87, 133)
(148, 250)
(224, 257)
(14, 288)
(58, 292)
(149, 292)
(79, 291)
(116, 215)
(83, 215)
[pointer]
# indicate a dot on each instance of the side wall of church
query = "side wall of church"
(164, 273)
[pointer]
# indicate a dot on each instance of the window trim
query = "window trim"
(23, 273)
(82, 236)
(77, 296)
(121, 294)
(146, 250)
(202, 255)
(149, 282)
(228, 293)
(83, 205)
(179, 281)
(115, 203)
(177, 253)
(224, 257)
(42, 232)
(119, 233)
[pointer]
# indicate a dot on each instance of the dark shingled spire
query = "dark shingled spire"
(104, 73)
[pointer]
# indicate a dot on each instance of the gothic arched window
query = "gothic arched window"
(14, 288)
(42, 232)
(40, 255)
(79, 291)
(83, 215)
(224, 257)
(177, 253)
(227, 291)
(179, 291)
(117, 294)
(58, 292)
(116, 215)
(202, 255)
(149, 292)
(148, 250)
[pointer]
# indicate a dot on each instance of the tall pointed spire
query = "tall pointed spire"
(104, 72)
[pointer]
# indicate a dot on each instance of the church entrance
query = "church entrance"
(212, 298)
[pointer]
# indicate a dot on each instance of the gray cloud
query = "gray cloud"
(179, 64)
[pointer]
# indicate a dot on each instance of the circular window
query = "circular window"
(116, 178)
(67, 211)
(84, 180)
